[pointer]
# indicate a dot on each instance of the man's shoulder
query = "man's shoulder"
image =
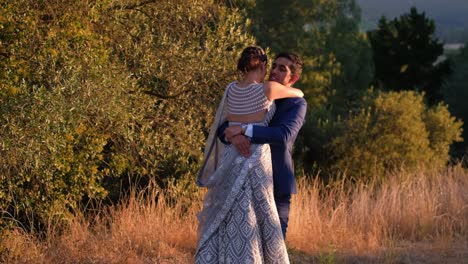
(299, 101)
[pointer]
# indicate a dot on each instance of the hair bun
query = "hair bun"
(251, 58)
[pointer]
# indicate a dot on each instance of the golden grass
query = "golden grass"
(419, 217)
(409, 213)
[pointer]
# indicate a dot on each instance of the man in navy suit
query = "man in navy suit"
(280, 134)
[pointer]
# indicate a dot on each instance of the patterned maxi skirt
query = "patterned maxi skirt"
(239, 222)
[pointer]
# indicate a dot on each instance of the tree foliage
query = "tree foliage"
(396, 130)
(59, 108)
(322, 33)
(456, 95)
(337, 57)
(405, 54)
(95, 93)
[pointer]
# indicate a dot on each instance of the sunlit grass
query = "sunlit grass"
(419, 209)
(400, 220)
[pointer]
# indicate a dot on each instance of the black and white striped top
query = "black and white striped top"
(246, 100)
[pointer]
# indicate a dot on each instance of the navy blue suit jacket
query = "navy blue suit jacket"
(280, 134)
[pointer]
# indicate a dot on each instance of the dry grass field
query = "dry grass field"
(412, 218)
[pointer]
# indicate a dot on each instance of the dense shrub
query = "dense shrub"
(97, 93)
(60, 108)
(396, 130)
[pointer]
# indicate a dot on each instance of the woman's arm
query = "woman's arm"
(274, 90)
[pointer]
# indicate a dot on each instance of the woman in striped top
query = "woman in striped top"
(239, 222)
(249, 99)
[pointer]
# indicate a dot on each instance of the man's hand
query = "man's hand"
(242, 144)
(231, 132)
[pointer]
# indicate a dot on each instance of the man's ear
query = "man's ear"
(293, 79)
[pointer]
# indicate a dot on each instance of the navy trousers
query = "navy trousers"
(283, 203)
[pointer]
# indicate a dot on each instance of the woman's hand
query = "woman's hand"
(242, 144)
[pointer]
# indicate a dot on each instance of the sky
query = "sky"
(456, 9)
(451, 16)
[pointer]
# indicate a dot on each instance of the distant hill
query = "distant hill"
(451, 16)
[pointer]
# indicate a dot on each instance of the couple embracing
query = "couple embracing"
(248, 167)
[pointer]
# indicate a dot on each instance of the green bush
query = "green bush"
(395, 131)
(312, 148)
(96, 94)
(58, 104)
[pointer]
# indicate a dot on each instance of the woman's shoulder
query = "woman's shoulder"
(236, 84)
(268, 86)
(232, 83)
(231, 86)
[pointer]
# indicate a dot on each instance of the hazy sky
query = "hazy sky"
(456, 10)
(450, 16)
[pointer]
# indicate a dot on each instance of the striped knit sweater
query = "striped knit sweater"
(246, 100)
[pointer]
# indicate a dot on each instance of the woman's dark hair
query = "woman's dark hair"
(251, 58)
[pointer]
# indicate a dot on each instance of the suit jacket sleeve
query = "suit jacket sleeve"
(288, 125)
(221, 135)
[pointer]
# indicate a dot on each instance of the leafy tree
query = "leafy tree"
(322, 33)
(96, 93)
(456, 95)
(337, 56)
(57, 107)
(313, 151)
(353, 55)
(405, 54)
(395, 131)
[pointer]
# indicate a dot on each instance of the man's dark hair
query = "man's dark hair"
(296, 67)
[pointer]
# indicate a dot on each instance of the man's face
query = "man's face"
(281, 72)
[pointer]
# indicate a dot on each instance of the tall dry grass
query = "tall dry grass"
(419, 211)
(141, 229)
